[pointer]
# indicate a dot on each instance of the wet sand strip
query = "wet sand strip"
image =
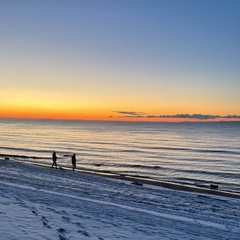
(170, 185)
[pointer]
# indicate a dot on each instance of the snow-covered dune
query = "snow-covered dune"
(46, 203)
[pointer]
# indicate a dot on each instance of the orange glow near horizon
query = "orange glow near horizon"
(84, 114)
(37, 105)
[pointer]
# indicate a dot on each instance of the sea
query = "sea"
(190, 153)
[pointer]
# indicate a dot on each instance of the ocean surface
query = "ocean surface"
(187, 153)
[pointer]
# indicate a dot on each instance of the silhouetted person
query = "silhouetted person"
(54, 158)
(74, 161)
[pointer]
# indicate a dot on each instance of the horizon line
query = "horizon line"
(125, 120)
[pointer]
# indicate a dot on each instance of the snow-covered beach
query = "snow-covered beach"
(45, 203)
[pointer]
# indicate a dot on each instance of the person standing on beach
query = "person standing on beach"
(54, 158)
(74, 161)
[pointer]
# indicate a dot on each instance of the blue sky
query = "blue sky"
(103, 57)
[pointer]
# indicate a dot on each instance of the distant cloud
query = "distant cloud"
(197, 116)
(152, 116)
(130, 116)
(130, 113)
(200, 116)
(232, 116)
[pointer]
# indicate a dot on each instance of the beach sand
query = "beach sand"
(165, 184)
(38, 202)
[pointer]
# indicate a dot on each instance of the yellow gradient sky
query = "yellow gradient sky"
(120, 60)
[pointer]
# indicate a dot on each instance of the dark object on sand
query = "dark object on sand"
(137, 183)
(214, 186)
(199, 185)
(6, 158)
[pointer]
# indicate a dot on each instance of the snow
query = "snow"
(45, 203)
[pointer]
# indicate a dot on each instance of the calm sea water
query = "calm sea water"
(189, 153)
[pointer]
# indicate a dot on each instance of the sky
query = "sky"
(143, 60)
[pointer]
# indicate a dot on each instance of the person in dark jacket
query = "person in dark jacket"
(54, 158)
(74, 161)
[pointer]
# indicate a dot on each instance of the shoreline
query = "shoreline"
(140, 181)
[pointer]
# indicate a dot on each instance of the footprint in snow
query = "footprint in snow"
(45, 222)
(79, 224)
(35, 212)
(52, 209)
(61, 232)
(85, 233)
(66, 219)
(61, 237)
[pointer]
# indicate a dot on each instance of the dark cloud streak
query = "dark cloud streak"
(130, 113)
(197, 116)
(200, 116)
